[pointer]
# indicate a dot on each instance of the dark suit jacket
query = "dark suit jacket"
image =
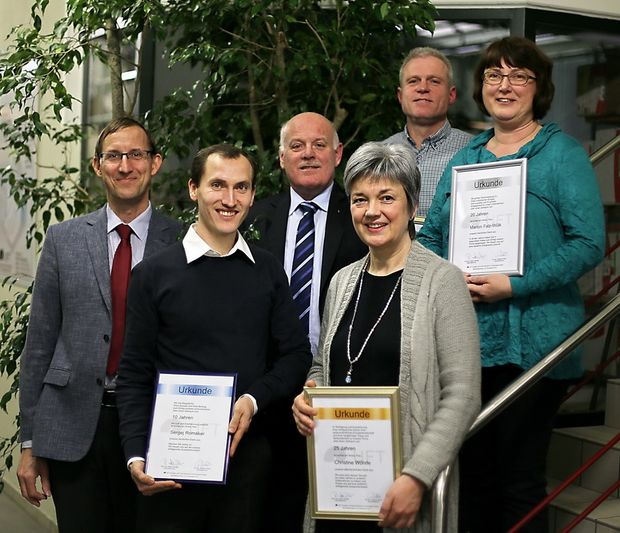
(63, 364)
(340, 248)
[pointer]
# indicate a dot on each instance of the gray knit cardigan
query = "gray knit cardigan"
(439, 368)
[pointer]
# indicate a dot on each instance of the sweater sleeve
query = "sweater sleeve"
(291, 350)
(581, 217)
(136, 376)
(458, 361)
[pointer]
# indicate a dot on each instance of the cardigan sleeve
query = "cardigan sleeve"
(581, 216)
(457, 355)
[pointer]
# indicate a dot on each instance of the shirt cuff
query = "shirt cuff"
(253, 400)
(26, 444)
(132, 460)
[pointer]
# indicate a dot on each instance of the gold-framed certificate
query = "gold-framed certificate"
(487, 217)
(354, 451)
(188, 438)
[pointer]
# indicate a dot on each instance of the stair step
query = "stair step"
(612, 409)
(571, 447)
(604, 519)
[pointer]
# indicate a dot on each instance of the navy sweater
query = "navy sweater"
(216, 314)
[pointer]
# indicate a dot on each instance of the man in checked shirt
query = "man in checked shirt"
(425, 93)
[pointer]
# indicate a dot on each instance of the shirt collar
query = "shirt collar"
(321, 200)
(195, 247)
(436, 137)
(139, 225)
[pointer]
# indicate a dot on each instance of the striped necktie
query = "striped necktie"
(301, 274)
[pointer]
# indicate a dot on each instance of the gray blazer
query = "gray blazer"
(62, 367)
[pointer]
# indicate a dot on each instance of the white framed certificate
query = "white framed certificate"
(487, 217)
(354, 451)
(189, 439)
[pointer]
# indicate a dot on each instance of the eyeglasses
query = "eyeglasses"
(132, 155)
(518, 78)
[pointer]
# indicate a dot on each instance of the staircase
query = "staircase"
(570, 448)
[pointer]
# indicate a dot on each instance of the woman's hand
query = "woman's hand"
(488, 288)
(303, 413)
(402, 502)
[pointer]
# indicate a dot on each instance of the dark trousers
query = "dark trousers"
(96, 494)
(206, 508)
(503, 466)
(288, 478)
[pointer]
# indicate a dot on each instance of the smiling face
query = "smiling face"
(508, 105)
(308, 155)
(381, 214)
(425, 92)
(224, 197)
(127, 182)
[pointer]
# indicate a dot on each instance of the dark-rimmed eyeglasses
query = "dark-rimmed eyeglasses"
(518, 78)
(132, 155)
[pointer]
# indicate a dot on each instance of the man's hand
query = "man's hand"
(489, 288)
(243, 411)
(146, 484)
(401, 503)
(303, 413)
(29, 469)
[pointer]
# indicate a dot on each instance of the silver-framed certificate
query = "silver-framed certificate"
(487, 217)
(354, 451)
(189, 439)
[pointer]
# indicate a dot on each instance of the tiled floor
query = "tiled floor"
(14, 519)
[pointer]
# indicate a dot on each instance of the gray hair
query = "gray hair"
(284, 132)
(392, 162)
(426, 51)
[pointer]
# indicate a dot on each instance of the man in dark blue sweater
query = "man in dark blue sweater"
(211, 304)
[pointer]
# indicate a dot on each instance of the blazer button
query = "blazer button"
(99, 381)
(106, 338)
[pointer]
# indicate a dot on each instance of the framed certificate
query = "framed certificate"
(354, 452)
(487, 217)
(189, 439)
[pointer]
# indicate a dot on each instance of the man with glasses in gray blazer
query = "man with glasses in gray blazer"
(69, 425)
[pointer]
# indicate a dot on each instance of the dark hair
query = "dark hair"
(518, 52)
(120, 124)
(392, 162)
(227, 151)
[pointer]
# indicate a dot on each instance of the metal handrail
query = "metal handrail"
(514, 391)
(604, 150)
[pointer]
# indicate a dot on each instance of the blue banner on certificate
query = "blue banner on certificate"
(189, 439)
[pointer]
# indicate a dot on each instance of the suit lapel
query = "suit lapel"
(161, 234)
(97, 245)
(337, 214)
(276, 235)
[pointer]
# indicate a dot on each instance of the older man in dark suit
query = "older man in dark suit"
(308, 225)
(69, 423)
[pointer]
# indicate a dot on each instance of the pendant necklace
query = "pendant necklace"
(348, 379)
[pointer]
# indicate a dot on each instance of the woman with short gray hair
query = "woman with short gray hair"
(400, 316)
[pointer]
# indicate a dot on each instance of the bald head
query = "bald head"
(310, 151)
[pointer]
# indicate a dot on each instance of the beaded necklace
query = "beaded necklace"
(348, 379)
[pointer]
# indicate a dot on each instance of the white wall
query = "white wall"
(601, 8)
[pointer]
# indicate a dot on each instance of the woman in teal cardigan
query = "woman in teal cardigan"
(522, 318)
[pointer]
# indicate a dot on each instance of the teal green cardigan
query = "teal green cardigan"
(564, 238)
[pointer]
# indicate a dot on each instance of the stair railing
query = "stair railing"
(514, 391)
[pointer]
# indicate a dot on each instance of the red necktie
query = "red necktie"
(119, 281)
